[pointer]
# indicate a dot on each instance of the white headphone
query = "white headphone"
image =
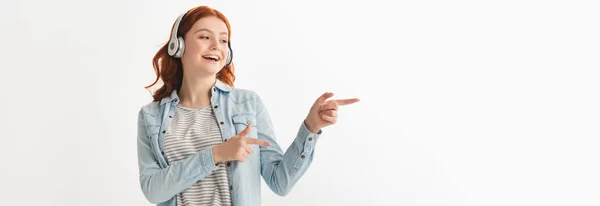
(177, 46)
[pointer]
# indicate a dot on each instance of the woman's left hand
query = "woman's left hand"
(324, 113)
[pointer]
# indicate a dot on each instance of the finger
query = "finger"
(242, 156)
(246, 131)
(332, 113)
(249, 150)
(332, 105)
(324, 97)
(330, 119)
(343, 102)
(258, 142)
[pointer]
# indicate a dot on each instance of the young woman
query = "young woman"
(203, 142)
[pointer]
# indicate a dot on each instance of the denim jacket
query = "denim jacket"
(161, 181)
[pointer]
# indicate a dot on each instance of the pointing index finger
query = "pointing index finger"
(347, 101)
(257, 141)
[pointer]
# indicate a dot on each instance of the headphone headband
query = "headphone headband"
(176, 29)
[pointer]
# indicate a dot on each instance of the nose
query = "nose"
(214, 45)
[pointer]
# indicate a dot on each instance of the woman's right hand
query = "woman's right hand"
(237, 147)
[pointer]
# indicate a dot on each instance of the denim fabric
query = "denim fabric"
(161, 181)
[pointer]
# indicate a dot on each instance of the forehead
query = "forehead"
(211, 23)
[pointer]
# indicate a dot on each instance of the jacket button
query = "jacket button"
(310, 139)
(162, 152)
(222, 123)
(164, 131)
(228, 164)
(170, 116)
(225, 140)
(230, 187)
(216, 106)
(302, 156)
(215, 89)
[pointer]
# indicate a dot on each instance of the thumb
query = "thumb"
(324, 97)
(244, 133)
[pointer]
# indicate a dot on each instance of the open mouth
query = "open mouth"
(211, 58)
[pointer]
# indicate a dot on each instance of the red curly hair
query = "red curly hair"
(169, 69)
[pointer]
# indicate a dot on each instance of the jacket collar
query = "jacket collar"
(218, 85)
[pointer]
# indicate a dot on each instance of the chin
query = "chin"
(211, 69)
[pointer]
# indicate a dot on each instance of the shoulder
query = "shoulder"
(151, 109)
(240, 95)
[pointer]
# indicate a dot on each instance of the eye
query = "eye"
(203, 37)
(224, 41)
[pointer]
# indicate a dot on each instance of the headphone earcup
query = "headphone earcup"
(172, 48)
(180, 47)
(229, 56)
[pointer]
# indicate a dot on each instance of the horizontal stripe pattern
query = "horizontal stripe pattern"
(192, 130)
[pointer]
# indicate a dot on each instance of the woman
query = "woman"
(203, 142)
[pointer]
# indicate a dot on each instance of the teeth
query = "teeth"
(212, 57)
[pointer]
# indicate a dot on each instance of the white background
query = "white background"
(462, 102)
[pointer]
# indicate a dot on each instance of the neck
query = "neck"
(195, 91)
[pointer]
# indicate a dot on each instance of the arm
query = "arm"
(281, 170)
(160, 185)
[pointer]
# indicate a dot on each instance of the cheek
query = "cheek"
(193, 49)
(194, 52)
(195, 46)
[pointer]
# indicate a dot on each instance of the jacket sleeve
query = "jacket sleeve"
(282, 170)
(161, 184)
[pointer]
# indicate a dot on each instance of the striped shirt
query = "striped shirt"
(192, 130)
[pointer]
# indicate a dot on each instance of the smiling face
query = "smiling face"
(205, 47)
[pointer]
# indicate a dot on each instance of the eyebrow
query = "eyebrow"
(225, 33)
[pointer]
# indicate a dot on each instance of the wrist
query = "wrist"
(311, 128)
(215, 153)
